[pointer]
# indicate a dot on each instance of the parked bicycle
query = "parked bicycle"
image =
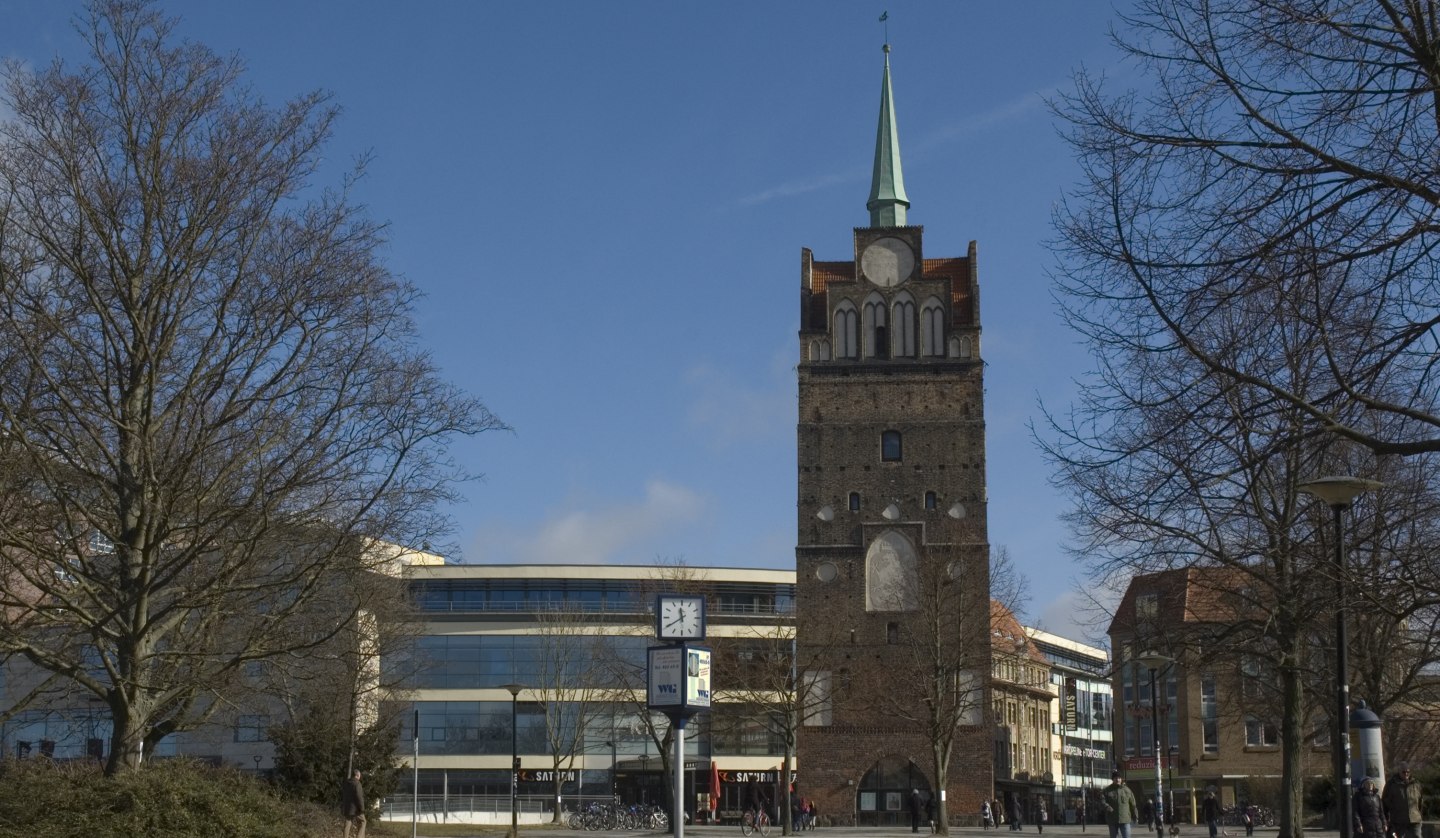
(595, 816)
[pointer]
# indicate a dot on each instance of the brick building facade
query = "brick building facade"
(892, 547)
(1218, 716)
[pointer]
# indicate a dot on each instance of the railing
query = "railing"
(488, 808)
(627, 609)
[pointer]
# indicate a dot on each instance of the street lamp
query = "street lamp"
(514, 756)
(1154, 661)
(1337, 493)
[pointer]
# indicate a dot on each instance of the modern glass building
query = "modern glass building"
(1082, 730)
(573, 639)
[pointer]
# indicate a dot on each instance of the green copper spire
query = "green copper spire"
(888, 201)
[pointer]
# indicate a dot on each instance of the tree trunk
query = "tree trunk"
(786, 824)
(1292, 745)
(127, 742)
(942, 780)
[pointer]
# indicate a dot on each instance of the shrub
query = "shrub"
(164, 799)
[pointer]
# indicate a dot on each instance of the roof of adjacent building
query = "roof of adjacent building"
(1007, 636)
(1192, 595)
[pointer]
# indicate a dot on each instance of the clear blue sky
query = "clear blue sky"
(605, 205)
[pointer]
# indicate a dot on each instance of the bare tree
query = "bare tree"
(1277, 144)
(571, 680)
(624, 672)
(770, 684)
(212, 399)
(1175, 464)
(946, 610)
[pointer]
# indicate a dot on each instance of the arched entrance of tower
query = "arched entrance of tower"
(883, 797)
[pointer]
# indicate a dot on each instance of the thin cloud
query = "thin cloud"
(795, 187)
(1017, 108)
(728, 408)
(605, 534)
(1081, 613)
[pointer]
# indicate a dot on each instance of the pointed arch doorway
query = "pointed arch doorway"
(883, 796)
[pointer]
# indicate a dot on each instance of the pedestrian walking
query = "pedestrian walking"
(1402, 804)
(352, 805)
(1041, 816)
(1369, 811)
(987, 819)
(1015, 813)
(1210, 811)
(916, 805)
(1120, 809)
(930, 812)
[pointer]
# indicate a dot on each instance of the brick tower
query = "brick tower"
(892, 553)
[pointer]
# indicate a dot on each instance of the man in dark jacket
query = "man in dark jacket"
(916, 805)
(1210, 812)
(1402, 804)
(352, 805)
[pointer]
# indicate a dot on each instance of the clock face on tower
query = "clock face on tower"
(887, 262)
(679, 617)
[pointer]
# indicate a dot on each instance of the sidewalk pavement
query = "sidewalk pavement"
(1058, 830)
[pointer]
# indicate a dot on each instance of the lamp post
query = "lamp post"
(1154, 661)
(1337, 493)
(514, 690)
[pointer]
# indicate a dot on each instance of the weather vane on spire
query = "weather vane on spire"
(885, 18)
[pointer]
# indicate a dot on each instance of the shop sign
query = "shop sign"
(544, 776)
(748, 776)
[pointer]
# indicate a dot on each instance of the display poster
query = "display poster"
(697, 677)
(667, 676)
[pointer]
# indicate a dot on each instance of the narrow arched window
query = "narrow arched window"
(931, 502)
(820, 350)
(854, 501)
(892, 634)
(932, 329)
(903, 326)
(847, 331)
(890, 450)
(875, 326)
